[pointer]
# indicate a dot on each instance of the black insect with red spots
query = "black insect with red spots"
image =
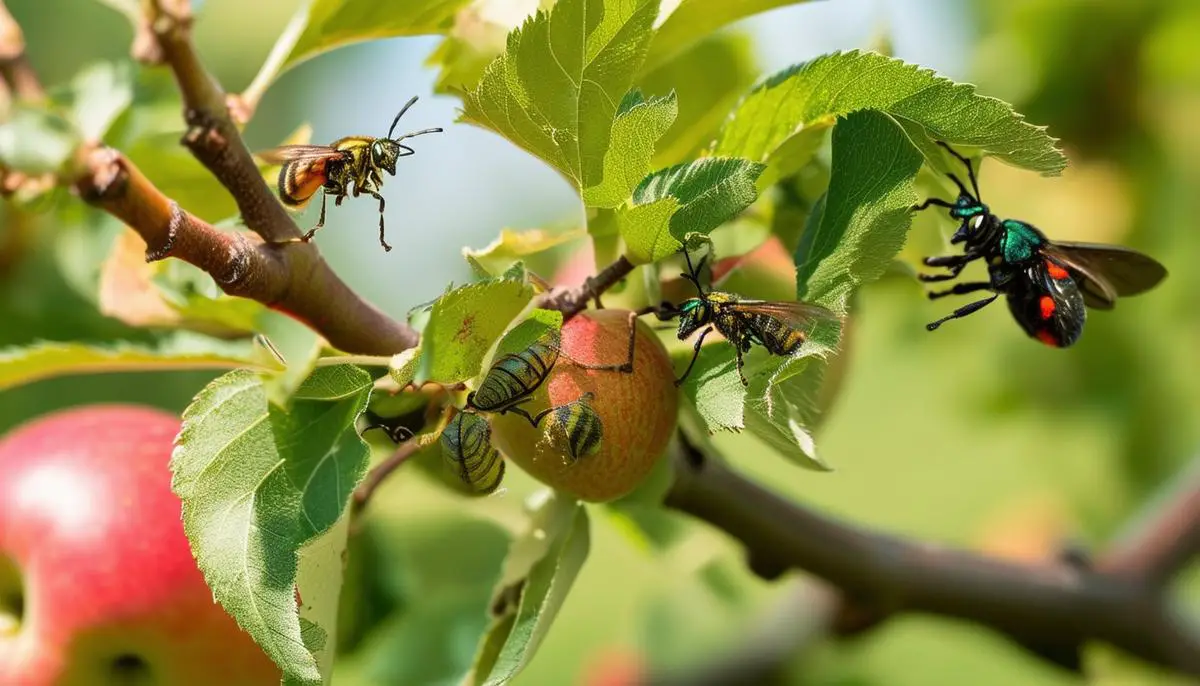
(1049, 285)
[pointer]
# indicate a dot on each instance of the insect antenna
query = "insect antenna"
(970, 172)
(399, 114)
(693, 273)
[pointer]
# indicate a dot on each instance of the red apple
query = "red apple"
(97, 582)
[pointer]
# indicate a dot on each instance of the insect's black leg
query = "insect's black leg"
(967, 163)
(932, 202)
(405, 151)
(962, 312)
(518, 411)
(961, 289)
(954, 263)
(625, 367)
(695, 354)
(381, 239)
(320, 220)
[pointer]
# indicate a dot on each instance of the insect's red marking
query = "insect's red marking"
(1056, 272)
(1046, 304)
(1045, 336)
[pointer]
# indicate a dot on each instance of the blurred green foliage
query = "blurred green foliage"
(973, 435)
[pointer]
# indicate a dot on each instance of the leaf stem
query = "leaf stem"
(1050, 609)
(15, 69)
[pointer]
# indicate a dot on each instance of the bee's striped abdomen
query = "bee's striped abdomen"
(515, 376)
(468, 451)
(580, 425)
(778, 338)
(300, 179)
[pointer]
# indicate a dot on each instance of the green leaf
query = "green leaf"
(638, 126)
(696, 197)
(323, 25)
(695, 19)
(98, 95)
(511, 246)
(708, 78)
(555, 90)
(539, 572)
(806, 98)
(259, 482)
(35, 141)
(851, 238)
(715, 389)
(463, 326)
(532, 328)
(866, 211)
(39, 361)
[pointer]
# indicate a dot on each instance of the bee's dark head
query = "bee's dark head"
(693, 314)
(977, 228)
(384, 153)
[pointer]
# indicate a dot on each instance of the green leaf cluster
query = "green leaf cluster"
(650, 110)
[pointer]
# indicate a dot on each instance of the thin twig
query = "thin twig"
(15, 69)
(380, 473)
(212, 136)
(575, 300)
(1165, 538)
(297, 282)
(1050, 608)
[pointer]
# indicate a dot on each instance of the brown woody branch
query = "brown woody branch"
(212, 135)
(15, 69)
(1051, 609)
(295, 280)
(572, 301)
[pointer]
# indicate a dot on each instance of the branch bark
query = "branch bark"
(1050, 609)
(212, 136)
(15, 69)
(293, 279)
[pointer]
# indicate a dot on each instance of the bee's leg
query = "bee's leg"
(962, 312)
(961, 289)
(381, 238)
(695, 354)
(739, 351)
(953, 263)
(625, 367)
(518, 411)
(320, 220)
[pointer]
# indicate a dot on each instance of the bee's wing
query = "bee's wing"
(1105, 272)
(797, 315)
(293, 153)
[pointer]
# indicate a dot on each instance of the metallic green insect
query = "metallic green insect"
(579, 424)
(469, 453)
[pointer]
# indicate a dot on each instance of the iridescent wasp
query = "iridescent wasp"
(349, 166)
(1048, 285)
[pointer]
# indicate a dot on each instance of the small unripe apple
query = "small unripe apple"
(637, 410)
(98, 586)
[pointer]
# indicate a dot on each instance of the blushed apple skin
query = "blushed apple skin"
(110, 585)
(638, 411)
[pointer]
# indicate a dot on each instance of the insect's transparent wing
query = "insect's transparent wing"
(294, 153)
(1105, 272)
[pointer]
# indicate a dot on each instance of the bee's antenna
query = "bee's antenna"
(399, 114)
(970, 171)
(692, 274)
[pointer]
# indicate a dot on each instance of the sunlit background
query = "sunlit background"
(973, 435)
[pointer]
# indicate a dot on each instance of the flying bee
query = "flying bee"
(513, 378)
(780, 327)
(468, 451)
(1048, 284)
(349, 166)
(578, 423)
